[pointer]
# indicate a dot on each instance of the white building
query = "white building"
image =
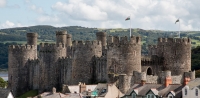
(192, 89)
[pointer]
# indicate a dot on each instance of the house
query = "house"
(154, 91)
(192, 89)
(105, 90)
(81, 87)
(5, 93)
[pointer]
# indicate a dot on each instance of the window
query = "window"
(196, 92)
(185, 91)
(151, 96)
(133, 95)
(170, 96)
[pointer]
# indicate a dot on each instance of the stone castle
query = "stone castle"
(108, 59)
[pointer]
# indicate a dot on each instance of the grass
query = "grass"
(31, 93)
(197, 42)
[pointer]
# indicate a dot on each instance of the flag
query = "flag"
(177, 21)
(128, 18)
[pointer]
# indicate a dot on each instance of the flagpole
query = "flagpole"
(130, 26)
(179, 30)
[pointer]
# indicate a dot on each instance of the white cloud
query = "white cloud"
(37, 9)
(2, 3)
(145, 14)
(47, 19)
(80, 10)
(9, 24)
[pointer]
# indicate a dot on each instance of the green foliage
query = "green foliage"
(3, 83)
(196, 58)
(4, 55)
(31, 93)
(197, 72)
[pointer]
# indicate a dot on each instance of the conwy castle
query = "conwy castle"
(108, 59)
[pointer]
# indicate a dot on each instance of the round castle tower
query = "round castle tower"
(82, 54)
(61, 37)
(17, 64)
(101, 36)
(123, 55)
(49, 55)
(176, 53)
(69, 40)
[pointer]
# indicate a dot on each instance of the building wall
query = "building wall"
(82, 54)
(191, 93)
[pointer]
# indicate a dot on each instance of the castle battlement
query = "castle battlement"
(116, 40)
(85, 43)
(31, 34)
(53, 45)
(152, 46)
(35, 60)
(61, 32)
(65, 58)
(48, 47)
(21, 47)
(101, 33)
(174, 40)
(146, 58)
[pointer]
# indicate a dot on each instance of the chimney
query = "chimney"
(168, 81)
(186, 80)
(53, 90)
(143, 82)
(82, 87)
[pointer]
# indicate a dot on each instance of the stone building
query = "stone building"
(108, 59)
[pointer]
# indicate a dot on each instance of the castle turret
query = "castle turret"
(32, 38)
(101, 36)
(123, 55)
(61, 37)
(49, 55)
(83, 52)
(69, 40)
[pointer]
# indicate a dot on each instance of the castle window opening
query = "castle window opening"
(185, 91)
(149, 71)
(196, 92)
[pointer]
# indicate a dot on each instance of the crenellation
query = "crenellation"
(32, 35)
(20, 47)
(88, 43)
(124, 40)
(74, 43)
(61, 32)
(116, 40)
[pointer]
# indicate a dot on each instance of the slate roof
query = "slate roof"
(51, 95)
(101, 89)
(194, 83)
(75, 88)
(158, 89)
(4, 92)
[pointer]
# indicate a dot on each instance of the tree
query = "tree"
(2, 83)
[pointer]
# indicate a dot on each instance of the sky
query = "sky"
(144, 14)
